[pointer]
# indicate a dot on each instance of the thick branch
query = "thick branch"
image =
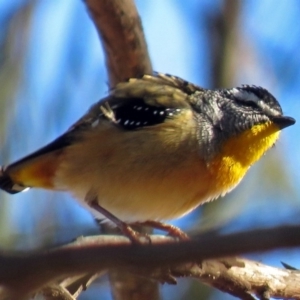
(120, 29)
(240, 277)
(106, 252)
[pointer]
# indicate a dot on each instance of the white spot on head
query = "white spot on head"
(126, 122)
(139, 108)
(155, 112)
(147, 108)
(138, 123)
(162, 113)
(132, 122)
(170, 114)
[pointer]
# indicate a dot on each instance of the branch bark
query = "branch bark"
(120, 29)
(162, 260)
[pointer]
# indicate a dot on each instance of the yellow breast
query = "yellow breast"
(239, 153)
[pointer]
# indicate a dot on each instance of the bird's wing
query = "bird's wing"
(132, 105)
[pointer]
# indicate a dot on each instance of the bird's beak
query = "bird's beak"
(283, 121)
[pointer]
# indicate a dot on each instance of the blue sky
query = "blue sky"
(63, 72)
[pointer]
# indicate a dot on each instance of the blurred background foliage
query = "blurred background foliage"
(52, 68)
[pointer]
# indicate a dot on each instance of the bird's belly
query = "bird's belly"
(137, 182)
(151, 191)
(156, 196)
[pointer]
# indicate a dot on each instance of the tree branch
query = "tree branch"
(120, 29)
(162, 259)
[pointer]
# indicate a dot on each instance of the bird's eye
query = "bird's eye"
(246, 97)
(248, 103)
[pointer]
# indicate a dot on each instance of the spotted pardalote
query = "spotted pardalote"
(155, 148)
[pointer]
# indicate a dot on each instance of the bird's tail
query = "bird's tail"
(31, 171)
(7, 184)
(36, 170)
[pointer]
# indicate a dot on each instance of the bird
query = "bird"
(155, 148)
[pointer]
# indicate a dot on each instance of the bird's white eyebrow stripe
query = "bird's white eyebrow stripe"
(248, 96)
